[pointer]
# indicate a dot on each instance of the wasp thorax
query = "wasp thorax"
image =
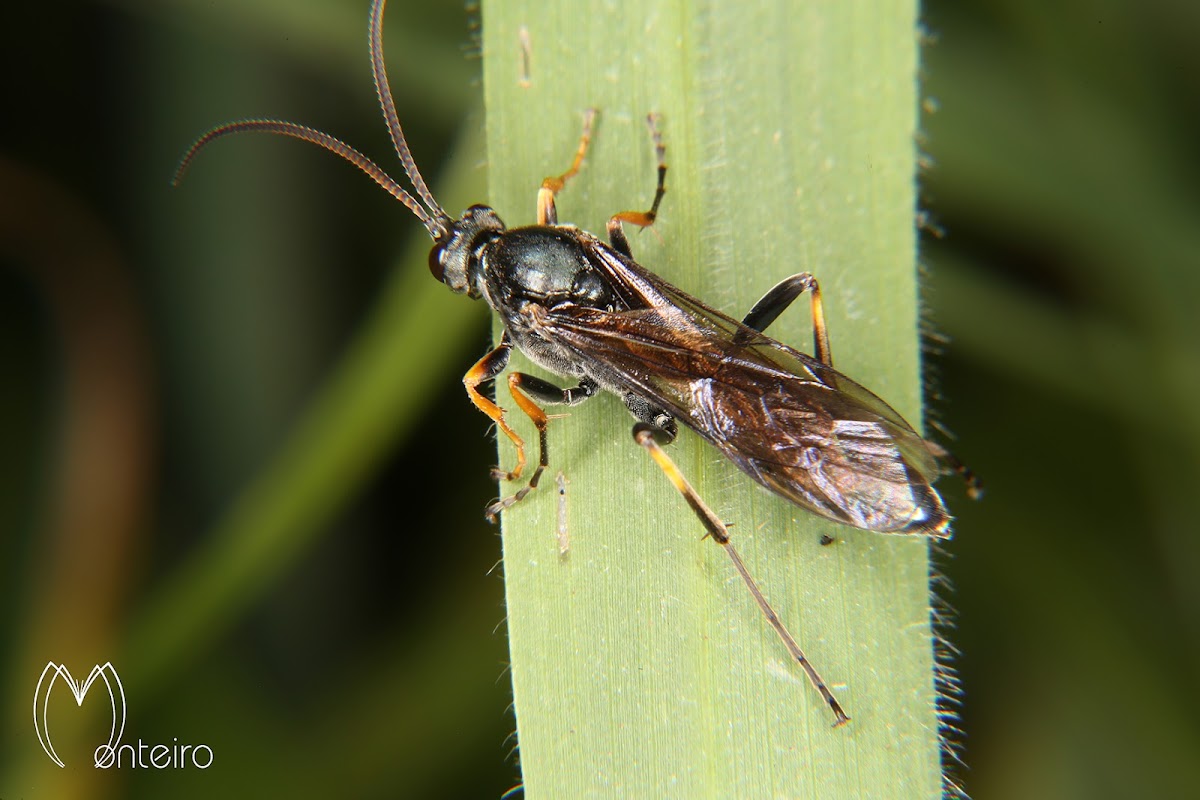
(545, 265)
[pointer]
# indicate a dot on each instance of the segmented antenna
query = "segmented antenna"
(435, 220)
(384, 91)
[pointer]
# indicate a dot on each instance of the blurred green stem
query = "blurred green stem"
(360, 414)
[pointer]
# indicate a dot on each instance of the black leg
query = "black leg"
(776, 301)
(973, 482)
(548, 393)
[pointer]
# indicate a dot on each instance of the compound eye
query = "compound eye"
(435, 263)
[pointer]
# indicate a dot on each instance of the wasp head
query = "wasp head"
(456, 252)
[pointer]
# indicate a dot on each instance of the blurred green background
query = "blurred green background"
(336, 630)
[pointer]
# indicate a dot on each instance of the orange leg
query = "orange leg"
(521, 386)
(535, 413)
(486, 369)
(547, 214)
(643, 435)
(643, 219)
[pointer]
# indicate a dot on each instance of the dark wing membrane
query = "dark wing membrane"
(796, 426)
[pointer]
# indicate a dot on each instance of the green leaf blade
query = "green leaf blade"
(641, 665)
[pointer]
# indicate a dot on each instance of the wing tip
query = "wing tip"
(930, 517)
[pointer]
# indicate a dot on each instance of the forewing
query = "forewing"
(796, 426)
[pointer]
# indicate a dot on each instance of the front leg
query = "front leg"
(643, 219)
(547, 212)
(524, 388)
